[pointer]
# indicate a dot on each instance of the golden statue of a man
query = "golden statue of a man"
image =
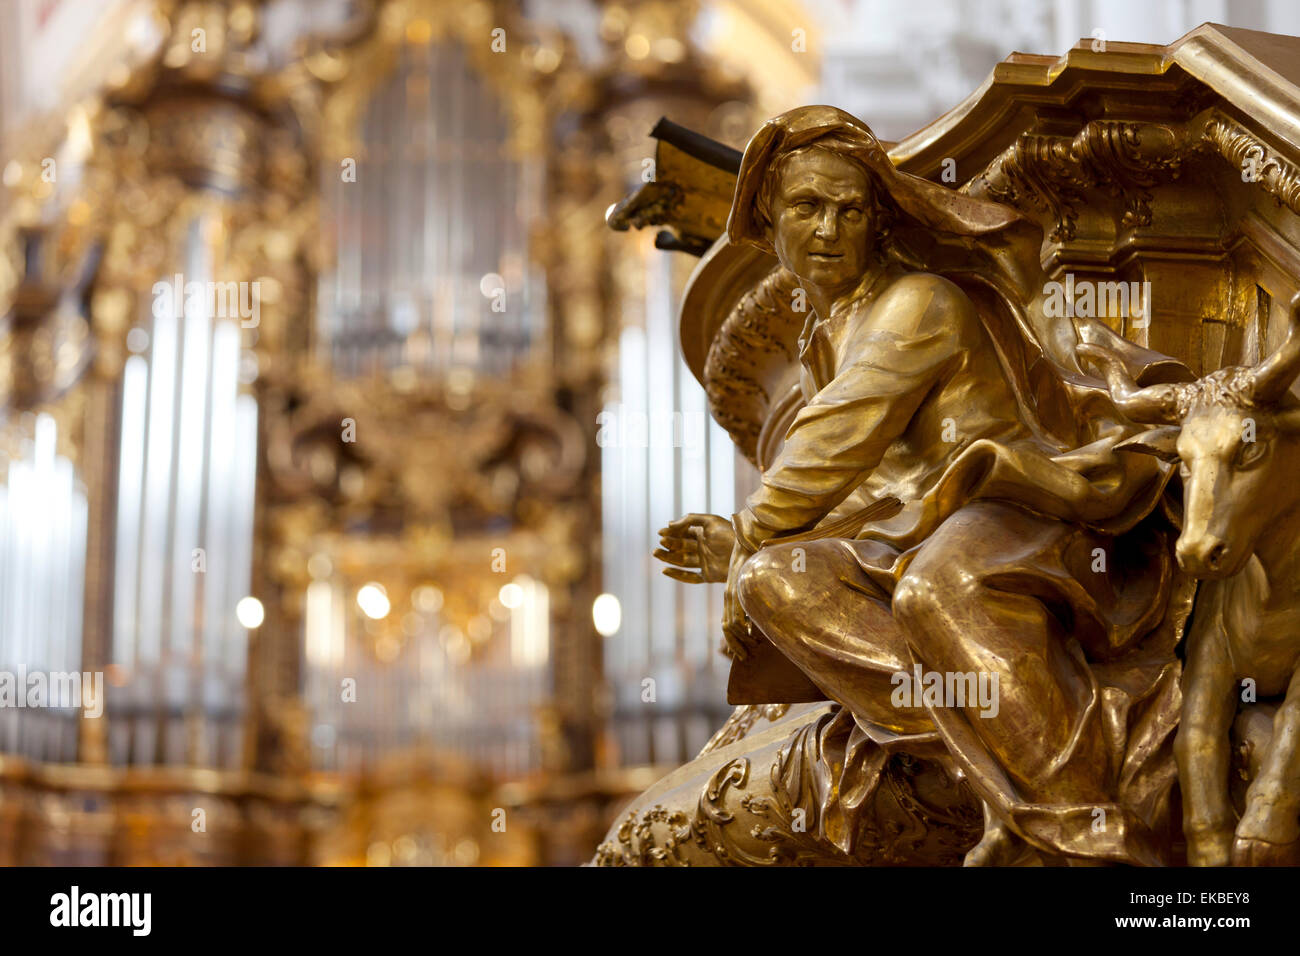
(999, 638)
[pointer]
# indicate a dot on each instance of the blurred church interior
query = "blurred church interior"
(362, 551)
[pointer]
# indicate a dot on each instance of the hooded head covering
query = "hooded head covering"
(929, 204)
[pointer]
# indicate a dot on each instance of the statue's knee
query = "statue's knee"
(925, 594)
(763, 584)
(915, 596)
(752, 584)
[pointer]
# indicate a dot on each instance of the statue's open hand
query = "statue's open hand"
(741, 637)
(699, 546)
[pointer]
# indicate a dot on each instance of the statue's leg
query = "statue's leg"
(814, 602)
(999, 591)
(1269, 831)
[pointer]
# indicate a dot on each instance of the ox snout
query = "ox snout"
(1204, 556)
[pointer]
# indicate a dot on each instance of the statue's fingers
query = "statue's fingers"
(687, 521)
(689, 577)
(697, 519)
(676, 557)
(686, 542)
(690, 557)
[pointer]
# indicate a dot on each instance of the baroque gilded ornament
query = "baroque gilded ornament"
(958, 603)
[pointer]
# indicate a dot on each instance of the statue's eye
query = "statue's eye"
(852, 214)
(805, 206)
(1248, 453)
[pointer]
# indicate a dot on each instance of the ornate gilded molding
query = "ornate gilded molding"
(1126, 160)
(1051, 172)
(741, 722)
(1258, 162)
(515, 64)
(780, 838)
(46, 341)
(736, 819)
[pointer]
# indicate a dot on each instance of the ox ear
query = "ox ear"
(1161, 442)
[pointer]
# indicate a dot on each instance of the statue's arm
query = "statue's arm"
(840, 436)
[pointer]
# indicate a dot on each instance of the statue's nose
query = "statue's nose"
(1205, 553)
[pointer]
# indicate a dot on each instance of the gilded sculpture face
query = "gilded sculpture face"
(821, 219)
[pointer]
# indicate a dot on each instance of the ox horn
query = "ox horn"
(1273, 377)
(1153, 405)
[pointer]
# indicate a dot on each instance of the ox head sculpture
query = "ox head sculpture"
(1234, 430)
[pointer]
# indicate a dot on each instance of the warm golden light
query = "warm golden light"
(427, 599)
(511, 595)
(250, 612)
(607, 614)
(373, 601)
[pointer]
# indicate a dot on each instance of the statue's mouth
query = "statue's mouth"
(826, 256)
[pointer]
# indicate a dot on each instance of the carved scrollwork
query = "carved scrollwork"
(716, 832)
(1126, 159)
(741, 722)
(637, 845)
(1241, 148)
(1052, 172)
(914, 812)
(779, 838)
(492, 456)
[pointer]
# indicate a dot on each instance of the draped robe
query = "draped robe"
(913, 392)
